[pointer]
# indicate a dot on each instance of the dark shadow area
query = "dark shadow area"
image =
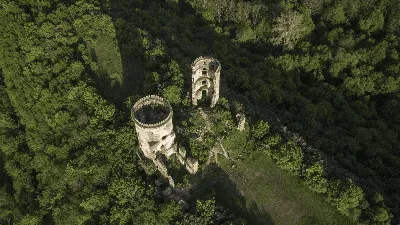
(177, 25)
(204, 102)
(5, 179)
(151, 114)
(245, 76)
(186, 36)
(132, 83)
(217, 183)
(130, 49)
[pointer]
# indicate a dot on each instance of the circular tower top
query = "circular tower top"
(206, 62)
(151, 111)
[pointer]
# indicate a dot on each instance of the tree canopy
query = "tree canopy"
(327, 71)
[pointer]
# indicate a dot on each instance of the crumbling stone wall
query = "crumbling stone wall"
(205, 79)
(154, 138)
(152, 116)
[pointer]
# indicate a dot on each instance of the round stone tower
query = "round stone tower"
(153, 122)
(205, 79)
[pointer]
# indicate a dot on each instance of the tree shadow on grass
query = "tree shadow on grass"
(217, 183)
(186, 37)
(132, 79)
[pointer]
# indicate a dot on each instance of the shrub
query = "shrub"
(314, 179)
(289, 157)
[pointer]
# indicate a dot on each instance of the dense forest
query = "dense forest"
(318, 80)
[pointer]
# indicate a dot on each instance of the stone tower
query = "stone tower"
(205, 79)
(153, 122)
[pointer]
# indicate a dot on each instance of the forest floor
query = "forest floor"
(272, 196)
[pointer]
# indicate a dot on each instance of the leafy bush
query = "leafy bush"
(346, 197)
(314, 179)
(260, 129)
(289, 157)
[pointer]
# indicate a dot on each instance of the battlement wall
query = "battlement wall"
(151, 100)
(204, 62)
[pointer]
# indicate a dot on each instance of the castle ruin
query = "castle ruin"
(153, 120)
(205, 79)
(152, 116)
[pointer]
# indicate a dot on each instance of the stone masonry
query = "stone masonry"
(158, 137)
(205, 79)
(152, 116)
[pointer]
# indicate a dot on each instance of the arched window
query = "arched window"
(203, 93)
(204, 72)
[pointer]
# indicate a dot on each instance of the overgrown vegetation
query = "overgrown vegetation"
(328, 71)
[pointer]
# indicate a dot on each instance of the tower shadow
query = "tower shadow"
(219, 185)
(186, 37)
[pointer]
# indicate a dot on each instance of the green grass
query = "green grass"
(119, 74)
(272, 196)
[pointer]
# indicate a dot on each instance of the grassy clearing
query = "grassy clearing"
(271, 196)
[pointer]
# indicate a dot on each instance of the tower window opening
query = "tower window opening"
(204, 82)
(204, 94)
(204, 72)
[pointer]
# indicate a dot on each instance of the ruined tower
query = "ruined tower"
(205, 79)
(153, 122)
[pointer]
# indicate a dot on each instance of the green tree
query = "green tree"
(314, 178)
(289, 157)
(346, 197)
(260, 129)
(290, 27)
(173, 94)
(335, 14)
(372, 22)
